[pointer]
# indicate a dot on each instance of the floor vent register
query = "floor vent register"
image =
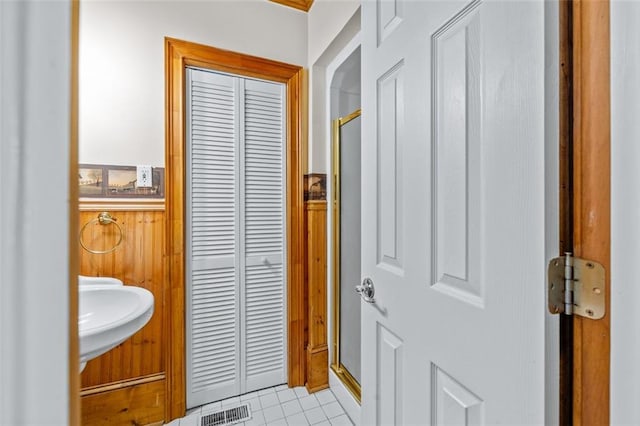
(227, 417)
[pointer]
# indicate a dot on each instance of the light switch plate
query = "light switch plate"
(144, 177)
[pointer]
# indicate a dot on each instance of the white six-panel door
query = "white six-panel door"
(453, 212)
(235, 236)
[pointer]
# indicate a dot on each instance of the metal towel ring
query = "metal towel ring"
(103, 218)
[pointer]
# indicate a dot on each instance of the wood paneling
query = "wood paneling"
(138, 261)
(178, 55)
(592, 201)
(317, 348)
(304, 5)
(140, 404)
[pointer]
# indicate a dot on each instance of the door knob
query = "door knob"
(366, 290)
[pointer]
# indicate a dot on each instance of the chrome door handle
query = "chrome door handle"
(366, 290)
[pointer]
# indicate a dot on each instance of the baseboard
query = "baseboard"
(138, 404)
(348, 402)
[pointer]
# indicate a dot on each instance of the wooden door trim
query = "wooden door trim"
(74, 256)
(565, 190)
(178, 55)
(591, 201)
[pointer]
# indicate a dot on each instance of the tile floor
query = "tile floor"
(279, 405)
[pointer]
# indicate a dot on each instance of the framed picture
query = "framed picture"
(107, 181)
(315, 186)
(91, 180)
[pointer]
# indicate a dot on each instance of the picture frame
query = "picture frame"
(111, 181)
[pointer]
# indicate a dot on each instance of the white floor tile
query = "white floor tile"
(272, 414)
(254, 404)
(315, 415)
(269, 400)
(257, 419)
(301, 391)
(210, 408)
(291, 407)
(247, 396)
(286, 395)
(279, 405)
(325, 396)
(190, 420)
(297, 420)
(194, 410)
(230, 403)
(342, 420)
(266, 391)
(332, 409)
(309, 402)
(175, 422)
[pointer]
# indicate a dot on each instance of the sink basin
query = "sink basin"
(109, 313)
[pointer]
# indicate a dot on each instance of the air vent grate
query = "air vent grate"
(227, 417)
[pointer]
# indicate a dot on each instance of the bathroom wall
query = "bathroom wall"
(327, 18)
(122, 122)
(345, 87)
(137, 366)
(122, 64)
(332, 26)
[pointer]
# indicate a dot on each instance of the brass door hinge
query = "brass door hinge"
(576, 287)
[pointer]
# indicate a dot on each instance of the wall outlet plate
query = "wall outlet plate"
(145, 179)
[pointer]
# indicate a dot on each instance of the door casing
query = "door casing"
(178, 55)
(591, 196)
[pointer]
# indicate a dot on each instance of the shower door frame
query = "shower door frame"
(180, 54)
(338, 368)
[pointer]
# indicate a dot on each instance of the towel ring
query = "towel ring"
(103, 218)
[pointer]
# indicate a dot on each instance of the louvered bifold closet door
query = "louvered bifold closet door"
(212, 237)
(264, 327)
(235, 236)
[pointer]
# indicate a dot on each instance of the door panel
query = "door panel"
(452, 403)
(455, 169)
(263, 220)
(453, 212)
(212, 265)
(389, 375)
(390, 183)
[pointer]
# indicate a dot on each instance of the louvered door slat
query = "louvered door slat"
(213, 325)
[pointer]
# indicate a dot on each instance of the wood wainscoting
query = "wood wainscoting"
(127, 384)
(317, 347)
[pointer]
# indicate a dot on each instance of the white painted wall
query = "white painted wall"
(35, 41)
(326, 40)
(625, 212)
(122, 64)
(327, 18)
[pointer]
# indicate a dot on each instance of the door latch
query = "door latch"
(367, 290)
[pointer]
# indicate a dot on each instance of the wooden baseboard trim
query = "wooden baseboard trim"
(137, 404)
(93, 390)
(317, 368)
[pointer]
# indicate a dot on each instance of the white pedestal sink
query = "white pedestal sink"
(109, 313)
